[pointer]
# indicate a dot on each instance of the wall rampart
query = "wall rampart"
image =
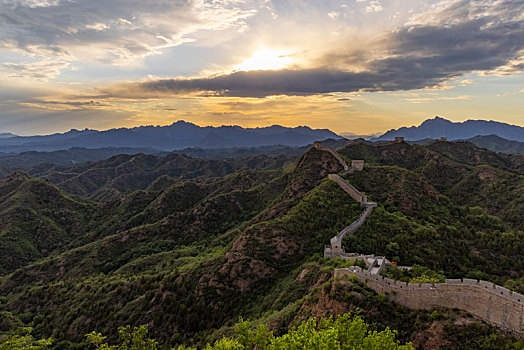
(492, 303)
(336, 155)
(348, 188)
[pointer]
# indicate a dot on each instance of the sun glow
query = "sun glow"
(266, 59)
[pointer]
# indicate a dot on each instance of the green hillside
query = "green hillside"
(498, 144)
(123, 174)
(189, 254)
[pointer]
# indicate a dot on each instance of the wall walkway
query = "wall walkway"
(334, 154)
(492, 303)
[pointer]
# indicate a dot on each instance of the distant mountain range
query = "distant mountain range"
(176, 136)
(352, 136)
(200, 141)
(35, 163)
(440, 127)
(5, 135)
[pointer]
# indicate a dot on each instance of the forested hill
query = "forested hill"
(498, 144)
(187, 253)
(38, 163)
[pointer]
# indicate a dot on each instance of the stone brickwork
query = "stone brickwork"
(348, 188)
(357, 164)
(494, 304)
(335, 249)
(318, 145)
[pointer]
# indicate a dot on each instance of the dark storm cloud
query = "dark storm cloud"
(465, 36)
(295, 82)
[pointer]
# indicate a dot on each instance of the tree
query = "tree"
(25, 341)
(129, 339)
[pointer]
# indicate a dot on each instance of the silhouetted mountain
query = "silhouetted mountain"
(498, 144)
(176, 136)
(439, 127)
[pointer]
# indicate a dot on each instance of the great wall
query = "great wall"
(485, 300)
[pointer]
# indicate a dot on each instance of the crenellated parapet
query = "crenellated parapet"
(488, 301)
(318, 145)
(335, 248)
(348, 188)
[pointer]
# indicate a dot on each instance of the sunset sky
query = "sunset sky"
(358, 66)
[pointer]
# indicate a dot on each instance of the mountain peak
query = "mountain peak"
(16, 176)
(439, 127)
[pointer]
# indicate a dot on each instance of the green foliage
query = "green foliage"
(129, 339)
(516, 284)
(344, 332)
(25, 341)
(476, 337)
(193, 255)
(417, 274)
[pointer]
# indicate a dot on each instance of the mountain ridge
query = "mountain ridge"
(496, 143)
(176, 136)
(440, 127)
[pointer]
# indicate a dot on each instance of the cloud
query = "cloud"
(461, 37)
(62, 105)
(435, 99)
(114, 32)
(374, 6)
(40, 70)
(280, 82)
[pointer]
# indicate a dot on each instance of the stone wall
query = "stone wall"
(348, 188)
(494, 304)
(334, 154)
(336, 249)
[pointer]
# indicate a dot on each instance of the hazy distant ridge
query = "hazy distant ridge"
(176, 136)
(438, 127)
(5, 135)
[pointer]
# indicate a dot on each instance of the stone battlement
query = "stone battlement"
(336, 250)
(492, 303)
(348, 188)
(318, 145)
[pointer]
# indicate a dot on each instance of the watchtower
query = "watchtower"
(357, 164)
(336, 245)
(399, 139)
